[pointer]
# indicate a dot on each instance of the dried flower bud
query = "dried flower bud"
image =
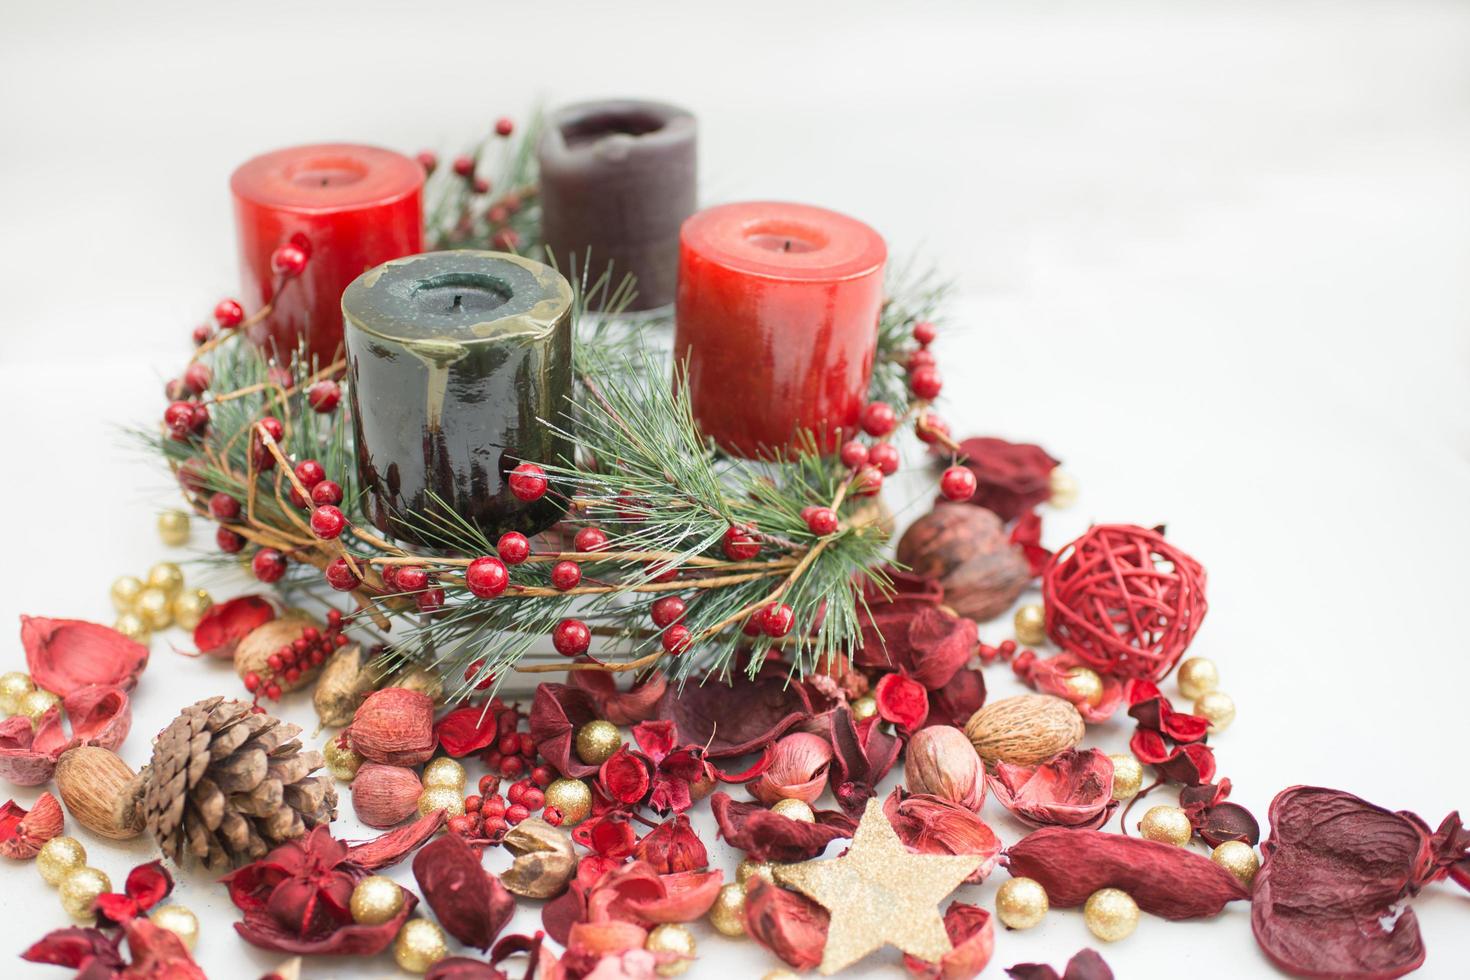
(345, 681)
(22, 833)
(798, 770)
(544, 863)
(394, 726)
(941, 762)
(385, 796)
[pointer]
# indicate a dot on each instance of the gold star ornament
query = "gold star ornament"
(879, 893)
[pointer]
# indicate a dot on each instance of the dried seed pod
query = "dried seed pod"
(545, 861)
(345, 681)
(100, 791)
(967, 549)
(254, 651)
(941, 761)
(1024, 730)
(385, 796)
(394, 726)
(23, 838)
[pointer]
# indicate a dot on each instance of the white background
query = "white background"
(1211, 255)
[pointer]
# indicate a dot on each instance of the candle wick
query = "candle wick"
(786, 245)
(457, 299)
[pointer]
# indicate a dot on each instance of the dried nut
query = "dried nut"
(1024, 730)
(29, 834)
(253, 652)
(941, 761)
(100, 792)
(394, 726)
(970, 552)
(385, 796)
(345, 681)
(545, 861)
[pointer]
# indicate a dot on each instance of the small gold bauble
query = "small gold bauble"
(173, 528)
(445, 798)
(1021, 903)
(671, 937)
(36, 703)
(1217, 708)
(1127, 777)
(864, 708)
(80, 888)
(1030, 625)
(727, 915)
(131, 625)
(1197, 677)
(14, 686)
(1111, 914)
(179, 921)
(597, 741)
(190, 606)
(420, 944)
(342, 761)
(375, 900)
(444, 771)
(1063, 488)
(1239, 858)
(1167, 825)
(167, 578)
(155, 608)
(572, 797)
(59, 857)
(125, 592)
(1085, 684)
(794, 810)
(749, 869)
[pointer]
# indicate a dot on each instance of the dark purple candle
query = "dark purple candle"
(617, 181)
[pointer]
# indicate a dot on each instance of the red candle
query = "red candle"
(776, 316)
(358, 206)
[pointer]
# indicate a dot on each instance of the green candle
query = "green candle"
(455, 359)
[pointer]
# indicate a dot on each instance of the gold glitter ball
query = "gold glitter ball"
(1063, 488)
(375, 900)
(14, 686)
(155, 608)
(672, 937)
(572, 797)
(794, 810)
(342, 761)
(125, 592)
(59, 857)
(444, 771)
(420, 944)
(190, 606)
(1084, 684)
(178, 920)
(1217, 708)
(597, 741)
(445, 798)
(728, 913)
(1239, 858)
(80, 888)
(1030, 624)
(131, 625)
(173, 528)
(1021, 903)
(1197, 677)
(749, 869)
(1111, 914)
(864, 708)
(167, 578)
(1127, 776)
(36, 703)
(1167, 825)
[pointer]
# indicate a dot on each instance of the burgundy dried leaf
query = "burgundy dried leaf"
(63, 655)
(471, 904)
(225, 624)
(76, 947)
(637, 703)
(1215, 819)
(1074, 789)
(1164, 880)
(788, 924)
(1086, 964)
(557, 711)
(934, 825)
(1154, 712)
(1011, 477)
(673, 846)
(902, 701)
(388, 849)
(463, 968)
(862, 754)
(972, 936)
(1026, 535)
(99, 715)
(956, 701)
(1049, 676)
(767, 836)
(737, 719)
(467, 730)
(349, 939)
(23, 832)
(911, 633)
(146, 886)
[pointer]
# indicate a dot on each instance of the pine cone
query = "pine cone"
(226, 785)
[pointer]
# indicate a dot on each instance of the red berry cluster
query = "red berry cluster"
(495, 216)
(310, 649)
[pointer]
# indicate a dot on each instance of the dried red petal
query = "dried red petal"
(1164, 880)
(1074, 789)
(621, 707)
(788, 924)
(902, 701)
(467, 730)
(22, 833)
(862, 754)
(933, 825)
(611, 837)
(1049, 676)
(148, 884)
(626, 776)
(956, 701)
(1085, 964)
(63, 655)
(682, 897)
(1157, 714)
(736, 719)
(972, 936)
(767, 836)
(349, 939)
(1189, 765)
(471, 904)
(673, 846)
(99, 715)
(1215, 819)
(28, 752)
(158, 953)
(388, 849)
(77, 948)
(1026, 535)
(557, 711)
(1011, 477)
(910, 632)
(225, 624)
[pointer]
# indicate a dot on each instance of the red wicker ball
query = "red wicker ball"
(1124, 600)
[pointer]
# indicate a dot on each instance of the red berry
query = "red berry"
(869, 481)
(884, 456)
(528, 482)
(515, 813)
(669, 609)
(229, 314)
(497, 215)
(930, 427)
(268, 564)
(571, 637)
(252, 681)
(430, 600)
(777, 619)
(924, 332)
(272, 427)
(293, 674)
(323, 396)
(739, 544)
(676, 639)
(197, 378)
(509, 744)
(754, 624)
(464, 165)
(542, 776)
(566, 575)
(310, 473)
(513, 547)
(925, 383)
(202, 333)
(275, 661)
(533, 798)
(854, 454)
(228, 541)
(327, 522)
(472, 803)
(505, 239)
(923, 357)
(223, 507)
(957, 483)
(821, 521)
(326, 492)
(878, 419)
(179, 417)
(512, 766)
(516, 793)
(341, 577)
(334, 617)
(590, 539)
(273, 691)
(428, 160)
(473, 671)
(489, 785)
(288, 260)
(486, 577)
(175, 390)
(528, 745)
(504, 127)
(553, 816)
(411, 578)
(462, 824)
(480, 185)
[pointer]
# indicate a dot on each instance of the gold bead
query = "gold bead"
(1217, 708)
(1111, 914)
(167, 577)
(1021, 903)
(375, 900)
(727, 915)
(445, 798)
(781, 975)
(190, 606)
(864, 708)
(795, 810)
(420, 944)
(749, 869)
(444, 771)
(59, 857)
(1239, 858)
(1127, 777)
(155, 608)
(1197, 677)
(1030, 624)
(173, 528)
(14, 686)
(80, 888)
(125, 592)
(1063, 488)
(1085, 684)
(671, 937)
(572, 797)
(131, 625)
(36, 703)
(1167, 825)
(342, 761)
(597, 741)
(179, 921)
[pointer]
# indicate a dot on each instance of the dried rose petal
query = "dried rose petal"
(605, 937)
(626, 776)
(1074, 789)
(470, 903)
(1154, 712)
(798, 770)
(1164, 880)
(1011, 477)
(157, 953)
(912, 633)
(862, 754)
(637, 703)
(788, 924)
(79, 949)
(930, 825)
(736, 719)
(1085, 964)
(23, 832)
(466, 730)
(1049, 676)
(1026, 535)
(28, 752)
(147, 885)
(956, 701)
(673, 846)
(225, 624)
(767, 836)
(971, 933)
(557, 711)
(902, 701)
(99, 715)
(63, 655)
(388, 849)
(1215, 819)
(687, 895)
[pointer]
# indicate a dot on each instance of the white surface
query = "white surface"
(1213, 256)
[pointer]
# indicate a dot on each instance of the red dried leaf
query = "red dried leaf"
(971, 933)
(1049, 675)
(956, 701)
(1011, 477)
(77, 948)
(933, 825)
(736, 719)
(146, 886)
(910, 632)
(637, 703)
(1026, 535)
(626, 776)
(466, 730)
(1155, 713)
(862, 754)
(788, 924)
(1086, 964)
(1164, 880)
(63, 655)
(673, 846)
(557, 711)
(611, 837)
(157, 954)
(902, 701)
(1215, 819)
(388, 849)
(225, 624)
(471, 904)
(767, 836)
(681, 897)
(348, 939)
(1074, 789)
(23, 832)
